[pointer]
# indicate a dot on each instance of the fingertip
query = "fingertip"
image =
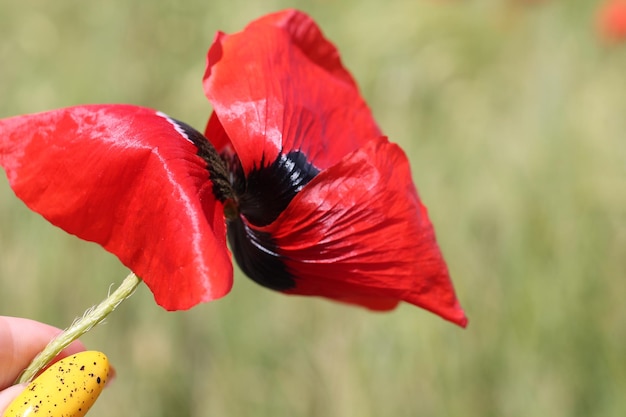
(111, 377)
(8, 395)
(21, 340)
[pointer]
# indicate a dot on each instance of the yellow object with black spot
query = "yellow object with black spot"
(68, 388)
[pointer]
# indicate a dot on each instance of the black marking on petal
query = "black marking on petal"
(259, 199)
(257, 255)
(270, 188)
(218, 173)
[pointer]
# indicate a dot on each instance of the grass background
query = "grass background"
(514, 118)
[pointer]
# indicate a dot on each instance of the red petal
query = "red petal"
(359, 233)
(279, 86)
(124, 177)
(308, 37)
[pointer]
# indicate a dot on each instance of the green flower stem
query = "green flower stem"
(91, 318)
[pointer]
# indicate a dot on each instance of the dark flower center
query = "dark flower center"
(267, 190)
(259, 198)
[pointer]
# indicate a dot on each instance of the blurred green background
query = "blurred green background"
(514, 118)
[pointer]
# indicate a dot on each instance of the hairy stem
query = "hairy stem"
(91, 318)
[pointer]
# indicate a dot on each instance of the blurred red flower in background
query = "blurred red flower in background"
(292, 169)
(611, 20)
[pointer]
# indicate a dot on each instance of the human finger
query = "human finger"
(20, 341)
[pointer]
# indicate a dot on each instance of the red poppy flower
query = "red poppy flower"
(316, 201)
(612, 20)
